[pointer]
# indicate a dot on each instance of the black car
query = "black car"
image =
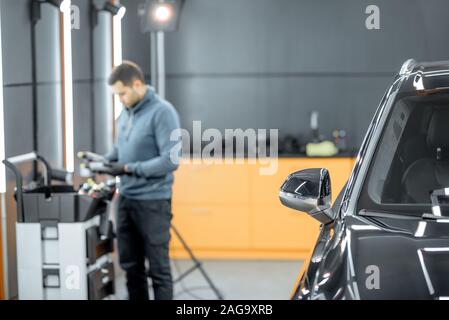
(387, 234)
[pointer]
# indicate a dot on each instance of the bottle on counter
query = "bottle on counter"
(340, 139)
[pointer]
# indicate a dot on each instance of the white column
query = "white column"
(68, 90)
(161, 63)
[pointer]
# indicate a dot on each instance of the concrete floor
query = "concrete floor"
(237, 280)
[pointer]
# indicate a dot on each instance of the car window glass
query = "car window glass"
(411, 161)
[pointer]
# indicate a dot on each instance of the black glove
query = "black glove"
(112, 169)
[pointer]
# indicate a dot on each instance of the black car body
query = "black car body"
(387, 234)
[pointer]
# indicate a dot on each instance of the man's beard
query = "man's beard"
(136, 100)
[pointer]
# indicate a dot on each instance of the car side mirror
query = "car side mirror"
(309, 191)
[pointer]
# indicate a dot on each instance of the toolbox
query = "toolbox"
(64, 240)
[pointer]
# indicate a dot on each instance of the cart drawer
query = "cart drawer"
(97, 245)
(101, 282)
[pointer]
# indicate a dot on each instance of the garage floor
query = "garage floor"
(237, 280)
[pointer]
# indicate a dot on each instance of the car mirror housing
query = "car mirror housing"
(309, 191)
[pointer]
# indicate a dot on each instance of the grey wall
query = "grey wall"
(17, 80)
(82, 79)
(92, 97)
(103, 94)
(268, 63)
(136, 46)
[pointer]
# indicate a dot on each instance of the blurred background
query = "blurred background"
(314, 70)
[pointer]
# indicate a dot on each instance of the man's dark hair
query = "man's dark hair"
(127, 73)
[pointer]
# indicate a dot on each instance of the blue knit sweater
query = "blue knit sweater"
(143, 143)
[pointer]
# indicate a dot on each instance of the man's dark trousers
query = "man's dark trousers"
(143, 232)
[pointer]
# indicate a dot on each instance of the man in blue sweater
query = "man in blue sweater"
(141, 158)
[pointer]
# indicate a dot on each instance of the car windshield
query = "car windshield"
(409, 173)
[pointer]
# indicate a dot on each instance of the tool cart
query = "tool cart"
(64, 238)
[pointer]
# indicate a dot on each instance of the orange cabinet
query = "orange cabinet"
(202, 184)
(212, 227)
(232, 211)
(281, 228)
